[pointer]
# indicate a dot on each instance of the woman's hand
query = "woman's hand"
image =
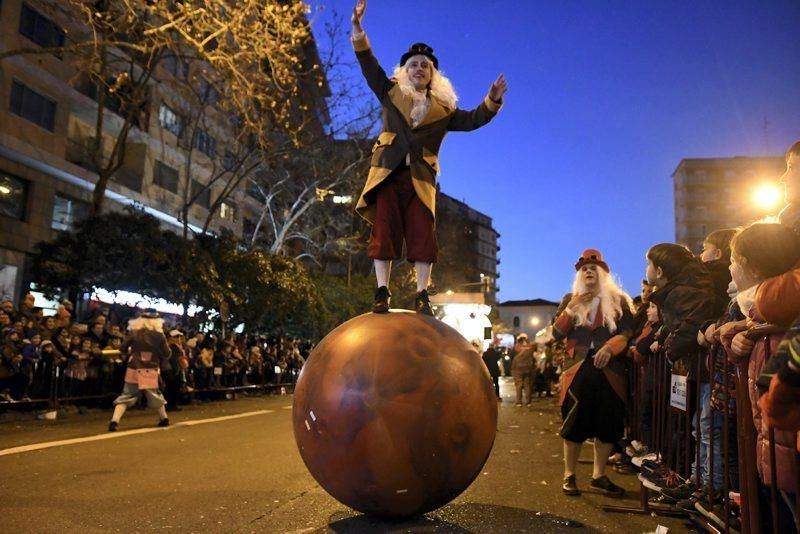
(602, 356)
(498, 89)
(358, 15)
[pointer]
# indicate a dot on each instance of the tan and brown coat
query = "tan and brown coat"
(398, 140)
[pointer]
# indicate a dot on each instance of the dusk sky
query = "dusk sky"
(605, 98)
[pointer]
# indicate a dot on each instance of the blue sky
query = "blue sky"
(605, 98)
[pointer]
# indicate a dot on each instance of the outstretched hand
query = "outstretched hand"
(358, 14)
(498, 89)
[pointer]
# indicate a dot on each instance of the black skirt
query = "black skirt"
(591, 408)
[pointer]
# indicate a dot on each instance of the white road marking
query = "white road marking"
(123, 433)
(287, 407)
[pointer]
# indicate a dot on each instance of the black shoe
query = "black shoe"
(164, 422)
(570, 487)
(605, 485)
(382, 297)
(422, 303)
(684, 491)
(112, 426)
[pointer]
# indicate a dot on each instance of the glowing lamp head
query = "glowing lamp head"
(767, 197)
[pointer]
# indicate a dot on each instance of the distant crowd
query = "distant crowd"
(60, 357)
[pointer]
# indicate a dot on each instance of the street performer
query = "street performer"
(149, 354)
(399, 198)
(596, 321)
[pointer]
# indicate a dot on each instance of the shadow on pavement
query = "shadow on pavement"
(461, 518)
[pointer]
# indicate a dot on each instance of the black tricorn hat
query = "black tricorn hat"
(150, 313)
(420, 49)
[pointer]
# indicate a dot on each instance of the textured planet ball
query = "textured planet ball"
(394, 414)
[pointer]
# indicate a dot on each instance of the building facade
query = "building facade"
(526, 316)
(48, 118)
(468, 258)
(716, 193)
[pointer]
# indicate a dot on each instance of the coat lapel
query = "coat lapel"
(403, 103)
(437, 112)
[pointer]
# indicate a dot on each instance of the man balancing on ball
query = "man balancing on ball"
(399, 198)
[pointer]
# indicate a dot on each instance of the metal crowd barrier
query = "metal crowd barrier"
(51, 386)
(670, 438)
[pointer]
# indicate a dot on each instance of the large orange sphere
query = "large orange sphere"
(394, 414)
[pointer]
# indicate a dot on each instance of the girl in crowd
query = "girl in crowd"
(761, 252)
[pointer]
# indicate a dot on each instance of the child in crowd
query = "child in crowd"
(761, 252)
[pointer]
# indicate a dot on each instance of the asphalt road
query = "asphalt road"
(232, 466)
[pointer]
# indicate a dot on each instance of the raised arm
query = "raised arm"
(464, 121)
(373, 72)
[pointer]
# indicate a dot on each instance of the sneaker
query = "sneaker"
(688, 505)
(518, 405)
(648, 461)
(422, 303)
(382, 297)
(605, 485)
(163, 422)
(624, 468)
(112, 426)
(6, 397)
(684, 491)
(658, 482)
(570, 487)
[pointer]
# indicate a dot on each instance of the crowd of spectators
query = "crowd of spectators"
(725, 321)
(59, 357)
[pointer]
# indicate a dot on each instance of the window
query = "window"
(205, 143)
(201, 194)
(67, 212)
(13, 196)
(248, 228)
(229, 161)
(39, 28)
(165, 177)
(175, 66)
(169, 120)
(516, 321)
(33, 106)
(227, 211)
(208, 92)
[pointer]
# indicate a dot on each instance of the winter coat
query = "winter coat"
(522, 361)
(778, 298)
(582, 339)
(785, 442)
(721, 278)
(150, 354)
(399, 140)
(490, 358)
(686, 302)
(782, 402)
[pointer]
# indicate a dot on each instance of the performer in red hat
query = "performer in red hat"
(596, 320)
(399, 197)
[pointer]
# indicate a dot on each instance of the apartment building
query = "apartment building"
(48, 116)
(716, 193)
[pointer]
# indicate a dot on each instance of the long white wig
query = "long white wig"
(612, 298)
(439, 88)
(146, 323)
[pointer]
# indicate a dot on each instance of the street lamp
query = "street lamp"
(535, 321)
(767, 196)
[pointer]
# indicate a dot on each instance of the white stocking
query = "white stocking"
(423, 270)
(383, 268)
(119, 411)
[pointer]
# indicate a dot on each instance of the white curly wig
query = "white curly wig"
(612, 298)
(439, 88)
